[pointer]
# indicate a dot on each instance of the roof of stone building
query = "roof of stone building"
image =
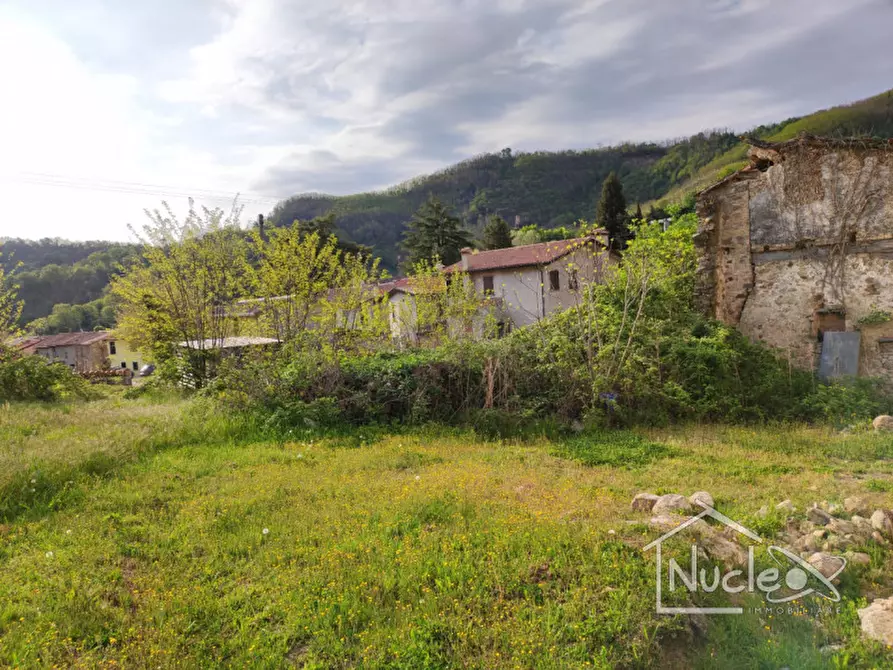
(72, 339)
(763, 152)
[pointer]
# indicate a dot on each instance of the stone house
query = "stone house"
(796, 250)
(82, 352)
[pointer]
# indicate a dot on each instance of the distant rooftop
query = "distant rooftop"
(228, 343)
(516, 257)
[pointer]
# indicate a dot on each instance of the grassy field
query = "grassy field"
(162, 534)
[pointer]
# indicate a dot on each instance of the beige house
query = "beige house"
(533, 281)
(796, 250)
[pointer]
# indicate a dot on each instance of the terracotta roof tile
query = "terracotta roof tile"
(516, 257)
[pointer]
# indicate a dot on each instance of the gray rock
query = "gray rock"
(808, 543)
(665, 522)
(672, 503)
(825, 563)
(786, 506)
(882, 522)
(644, 502)
(858, 558)
(723, 549)
(842, 527)
(703, 497)
(763, 512)
(836, 543)
(819, 516)
(883, 423)
(877, 621)
(855, 505)
(861, 523)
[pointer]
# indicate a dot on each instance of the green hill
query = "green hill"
(558, 188)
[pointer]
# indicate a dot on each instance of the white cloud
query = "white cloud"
(292, 95)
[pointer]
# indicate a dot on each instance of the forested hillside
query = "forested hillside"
(557, 188)
(550, 189)
(58, 273)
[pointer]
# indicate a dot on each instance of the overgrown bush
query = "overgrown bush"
(634, 351)
(30, 378)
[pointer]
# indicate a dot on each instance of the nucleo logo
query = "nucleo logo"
(789, 581)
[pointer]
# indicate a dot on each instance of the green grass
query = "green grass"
(424, 549)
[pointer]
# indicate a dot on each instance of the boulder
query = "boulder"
(882, 522)
(723, 549)
(786, 506)
(856, 505)
(877, 621)
(826, 564)
(644, 502)
(883, 423)
(819, 516)
(701, 497)
(672, 503)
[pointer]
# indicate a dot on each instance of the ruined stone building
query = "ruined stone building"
(796, 250)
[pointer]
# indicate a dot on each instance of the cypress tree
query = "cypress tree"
(611, 212)
(497, 234)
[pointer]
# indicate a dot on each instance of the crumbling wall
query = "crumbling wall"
(807, 228)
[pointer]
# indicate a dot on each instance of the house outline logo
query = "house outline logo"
(796, 577)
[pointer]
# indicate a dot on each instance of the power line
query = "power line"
(137, 188)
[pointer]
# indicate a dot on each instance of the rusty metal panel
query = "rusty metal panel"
(840, 355)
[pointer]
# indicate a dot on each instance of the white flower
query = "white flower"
(33, 481)
(49, 554)
(300, 455)
(417, 478)
(266, 531)
(612, 532)
(68, 532)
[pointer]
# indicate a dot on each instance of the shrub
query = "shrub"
(30, 378)
(847, 402)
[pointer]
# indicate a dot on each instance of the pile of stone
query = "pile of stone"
(820, 538)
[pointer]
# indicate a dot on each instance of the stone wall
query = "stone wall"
(806, 230)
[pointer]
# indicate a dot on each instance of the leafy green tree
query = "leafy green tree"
(307, 285)
(191, 271)
(497, 234)
(435, 233)
(10, 305)
(611, 213)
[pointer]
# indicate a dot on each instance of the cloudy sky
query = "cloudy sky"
(110, 106)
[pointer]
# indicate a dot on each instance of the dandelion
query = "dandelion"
(266, 531)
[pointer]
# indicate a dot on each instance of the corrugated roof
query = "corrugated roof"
(73, 339)
(516, 257)
(228, 343)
